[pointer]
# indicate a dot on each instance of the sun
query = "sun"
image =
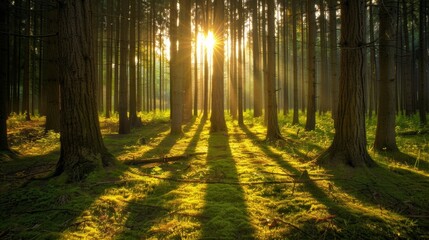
(209, 41)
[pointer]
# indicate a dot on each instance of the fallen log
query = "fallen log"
(415, 132)
(162, 159)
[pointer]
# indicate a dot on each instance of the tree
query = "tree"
(333, 55)
(134, 120)
(257, 79)
(422, 63)
(175, 79)
(385, 132)
(349, 144)
(217, 118)
(82, 147)
(124, 122)
(4, 39)
(311, 66)
(51, 70)
(185, 53)
(109, 58)
(325, 95)
(295, 65)
(273, 131)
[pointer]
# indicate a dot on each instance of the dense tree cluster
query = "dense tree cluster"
(85, 58)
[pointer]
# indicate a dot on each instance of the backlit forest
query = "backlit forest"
(220, 119)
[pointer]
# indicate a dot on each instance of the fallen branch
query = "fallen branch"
(162, 159)
(415, 132)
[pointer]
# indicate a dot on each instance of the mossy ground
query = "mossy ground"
(236, 187)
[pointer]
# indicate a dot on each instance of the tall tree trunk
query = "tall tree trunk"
(124, 122)
(273, 131)
(422, 63)
(325, 95)
(311, 66)
(175, 79)
(349, 144)
(295, 119)
(4, 39)
(109, 58)
(333, 54)
(117, 58)
(27, 54)
(217, 118)
(240, 63)
(385, 132)
(206, 61)
(185, 53)
(82, 147)
(196, 21)
(134, 121)
(406, 62)
(257, 79)
(51, 69)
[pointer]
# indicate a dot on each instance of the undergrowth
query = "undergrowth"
(224, 186)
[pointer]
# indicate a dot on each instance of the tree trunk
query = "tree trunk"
(295, 65)
(385, 132)
(4, 39)
(273, 131)
(134, 121)
(109, 58)
(175, 79)
(82, 147)
(332, 5)
(185, 53)
(349, 144)
(325, 95)
(206, 62)
(217, 118)
(240, 79)
(257, 80)
(406, 62)
(124, 122)
(117, 58)
(422, 63)
(51, 69)
(27, 54)
(311, 66)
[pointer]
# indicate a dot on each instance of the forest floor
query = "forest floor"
(217, 186)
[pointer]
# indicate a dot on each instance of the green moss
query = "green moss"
(154, 201)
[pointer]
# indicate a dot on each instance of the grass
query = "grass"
(236, 187)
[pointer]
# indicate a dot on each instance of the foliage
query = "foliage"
(237, 186)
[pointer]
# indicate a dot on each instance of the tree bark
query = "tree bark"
(124, 122)
(51, 76)
(257, 78)
(217, 118)
(385, 133)
(422, 63)
(333, 61)
(185, 53)
(295, 119)
(134, 121)
(175, 79)
(273, 131)
(4, 39)
(311, 67)
(349, 144)
(109, 58)
(82, 147)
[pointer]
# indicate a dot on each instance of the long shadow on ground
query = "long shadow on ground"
(144, 214)
(225, 205)
(349, 222)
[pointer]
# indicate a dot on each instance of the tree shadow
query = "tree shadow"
(406, 159)
(343, 221)
(225, 206)
(145, 213)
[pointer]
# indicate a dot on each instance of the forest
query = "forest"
(214, 119)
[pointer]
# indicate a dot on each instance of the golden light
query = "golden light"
(209, 41)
